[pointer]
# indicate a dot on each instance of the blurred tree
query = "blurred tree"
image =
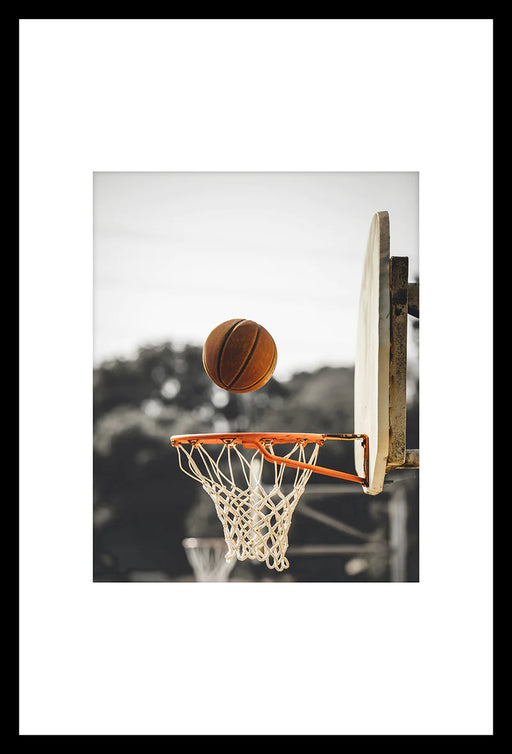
(117, 383)
(140, 496)
(321, 402)
(159, 373)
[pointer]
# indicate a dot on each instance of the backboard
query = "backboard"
(381, 357)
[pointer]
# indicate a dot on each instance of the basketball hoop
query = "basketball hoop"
(256, 517)
(206, 555)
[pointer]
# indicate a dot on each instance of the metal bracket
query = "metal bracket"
(271, 458)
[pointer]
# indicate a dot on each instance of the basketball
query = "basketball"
(239, 355)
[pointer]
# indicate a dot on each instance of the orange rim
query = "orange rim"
(261, 440)
(249, 439)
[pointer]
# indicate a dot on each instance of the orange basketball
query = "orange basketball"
(239, 355)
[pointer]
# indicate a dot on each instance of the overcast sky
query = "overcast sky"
(175, 254)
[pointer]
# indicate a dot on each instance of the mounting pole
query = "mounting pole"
(404, 300)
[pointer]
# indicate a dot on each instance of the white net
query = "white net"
(255, 516)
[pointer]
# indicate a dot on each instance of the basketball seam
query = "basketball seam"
(247, 358)
(260, 379)
(221, 349)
